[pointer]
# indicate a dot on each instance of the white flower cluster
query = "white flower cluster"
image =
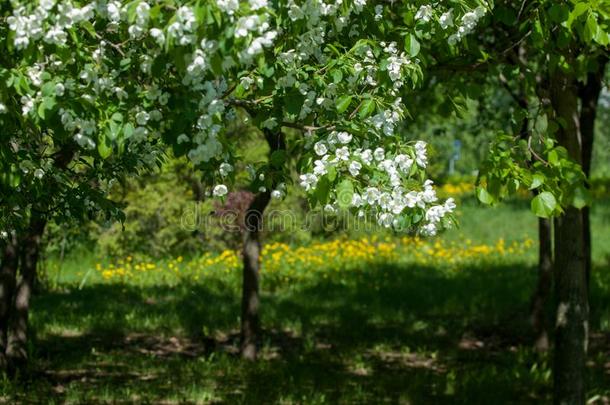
(247, 24)
(257, 4)
(183, 29)
(369, 68)
(208, 145)
(446, 20)
(395, 63)
(220, 190)
(198, 65)
(469, 22)
(42, 23)
(434, 215)
(378, 12)
(387, 198)
(84, 129)
(250, 24)
(424, 13)
(265, 40)
(142, 17)
(228, 6)
(113, 12)
(323, 21)
(386, 120)
(279, 192)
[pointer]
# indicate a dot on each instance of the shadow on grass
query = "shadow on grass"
(376, 335)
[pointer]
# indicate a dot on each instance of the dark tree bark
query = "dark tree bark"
(541, 295)
(589, 94)
(8, 271)
(572, 314)
(250, 321)
(29, 253)
(572, 311)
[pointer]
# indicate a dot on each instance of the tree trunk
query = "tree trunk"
(572, 312)
(8, 271)
(29, 254)
(545, 278)
(589, 94)
(250, 322)
(571, 333)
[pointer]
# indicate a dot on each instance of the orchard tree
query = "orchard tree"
(558, 51)
(111, 78)
(550, 56)
(58, 111)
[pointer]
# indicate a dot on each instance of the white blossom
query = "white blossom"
(308, 181)
(220, 190)
(225, 169)
(344, 137)
(379, 154)
(446, 20)
(354, 168)
(342, 153)
(320, 148)
(424, 13)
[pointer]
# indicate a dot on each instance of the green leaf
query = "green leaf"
(537, 181)
(538, 34)
(484, 196)
(542, 124)
(602, 37)
(544, 204)
(332, 173)
(367, 108)
(553, 157)
(103, 147)
(117, 117)
(47, 104)
(89, 28)
(345, 193)
(15, 180)
(559, 13)
(48, 89)
(591, 28)
(579, 9)
(114, 130)
(343, 103)
(412, 45)
(337, 76)
(125, 63)
(128, 130)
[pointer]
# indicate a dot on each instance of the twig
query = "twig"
(529, 147)
(356, 110)
(308, 128)
(115, 46)
(229, 91)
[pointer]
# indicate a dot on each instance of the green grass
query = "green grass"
(389, 333)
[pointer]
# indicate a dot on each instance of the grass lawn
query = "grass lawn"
(398, 328)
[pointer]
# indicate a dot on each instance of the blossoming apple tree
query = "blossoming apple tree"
(91, 90)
